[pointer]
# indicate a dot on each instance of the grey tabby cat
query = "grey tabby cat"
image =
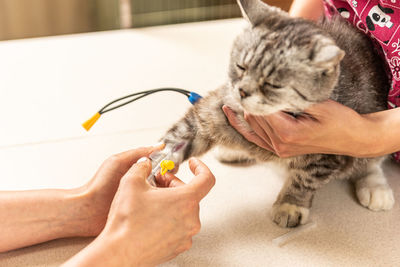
(280, 63)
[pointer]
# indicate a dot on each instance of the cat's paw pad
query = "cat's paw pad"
(376, 198)
(289, 215)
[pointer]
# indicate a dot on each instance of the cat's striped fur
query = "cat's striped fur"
(285, 63)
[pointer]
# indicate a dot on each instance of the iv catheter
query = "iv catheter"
(192, 97)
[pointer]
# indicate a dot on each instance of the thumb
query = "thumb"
(169, 180)
(203, 181)
(139, 171)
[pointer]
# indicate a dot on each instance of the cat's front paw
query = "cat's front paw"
(289, 215)
(376, 197)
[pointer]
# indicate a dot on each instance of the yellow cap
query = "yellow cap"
(166, 165)
(90, 122)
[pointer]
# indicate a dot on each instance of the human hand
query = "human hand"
(327, 127)
(308, 9)
(100, 190)
(149, 225)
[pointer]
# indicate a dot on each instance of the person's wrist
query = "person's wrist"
(387, 129)
(129, 253)
(82, 220)
(372, 135)
(108, 249)
(112, 246)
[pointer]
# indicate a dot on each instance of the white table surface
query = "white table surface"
(49, 86)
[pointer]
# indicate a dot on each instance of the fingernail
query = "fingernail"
(143, 159)
(226, 110)
(158, 146)
(194, 159)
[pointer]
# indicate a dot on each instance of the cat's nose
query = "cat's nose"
(243, 93)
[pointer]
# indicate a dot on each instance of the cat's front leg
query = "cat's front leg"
(205, 125)
(186, 134)
(200, 129)
(306, 174)
(293, 204)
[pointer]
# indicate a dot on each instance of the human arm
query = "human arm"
(329, 128)
(146, 225)
(308, 9)
(31, 217)
(35, 216)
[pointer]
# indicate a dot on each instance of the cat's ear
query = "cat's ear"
(256, 11)
(326, 54)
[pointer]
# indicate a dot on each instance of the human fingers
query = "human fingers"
(203, 181)
(139, 171)
(115, 167)
(263, 140)
(168, 180)
(293, 136)
(284, 131)
(288, 129)
(280, 121)
(256, 126)
(175, 169)
(232, 117)
(318, 110)
(128, 158)
(124, 160)
(269, 132)
(278, 146)
(249, 135)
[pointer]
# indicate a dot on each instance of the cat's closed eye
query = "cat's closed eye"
(240, 67)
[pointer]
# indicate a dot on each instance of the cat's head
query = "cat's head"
(280, 62)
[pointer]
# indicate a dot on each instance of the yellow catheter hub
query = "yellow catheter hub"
(90, 122)
(166, 165)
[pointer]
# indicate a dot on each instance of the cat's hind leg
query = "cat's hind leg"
(373, 190)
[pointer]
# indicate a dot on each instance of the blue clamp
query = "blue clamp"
(193, 97)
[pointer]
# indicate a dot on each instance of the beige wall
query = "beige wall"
(29, 18)
(284, 4)
(26, 18)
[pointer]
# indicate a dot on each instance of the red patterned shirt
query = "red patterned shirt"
(380, 20)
